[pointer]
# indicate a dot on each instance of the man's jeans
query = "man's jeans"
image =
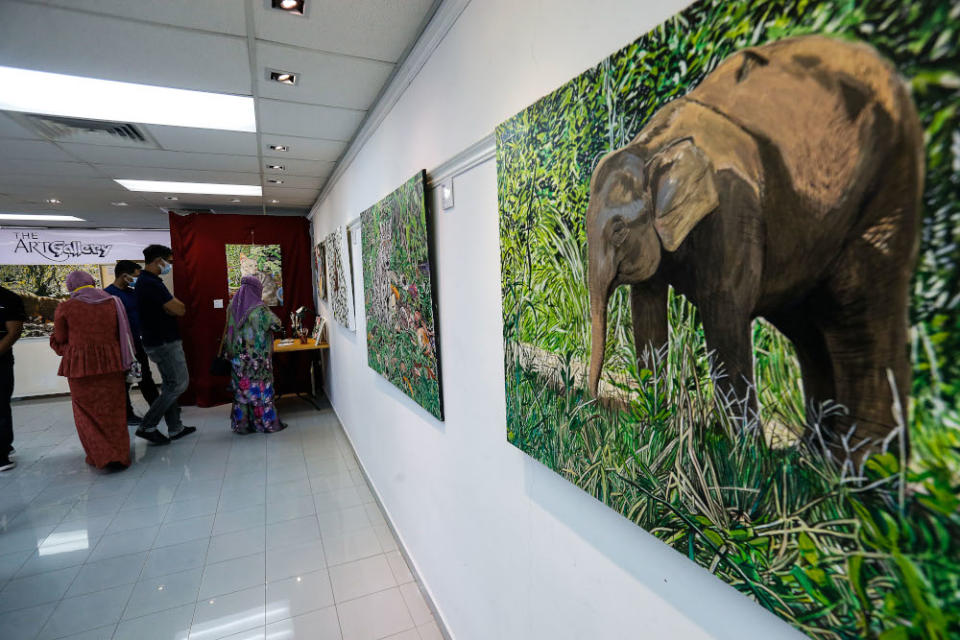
(172, 364)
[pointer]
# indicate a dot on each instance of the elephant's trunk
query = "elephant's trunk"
(598, 325)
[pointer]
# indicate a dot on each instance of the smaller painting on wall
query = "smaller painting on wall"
(42, 287)
(320, 265)
(339, 277)
(261, 260)
(398, 295)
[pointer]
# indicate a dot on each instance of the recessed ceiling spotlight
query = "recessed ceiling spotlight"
(295, 7)
(279, 147)
(276, 167)
(235, 200)
(171, 198)
(274, 202)
(283, 77)
(274, 181)
(119, 204)
(52, 201)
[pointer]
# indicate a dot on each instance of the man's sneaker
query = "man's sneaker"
(183, 432)
(134, 420)
(6, 464)
(12, 451)
(153, 436)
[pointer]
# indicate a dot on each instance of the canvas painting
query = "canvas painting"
(42, 287)
(320, 268)
(261, 260)
(730, 300)
(339, 277)
(398, 295)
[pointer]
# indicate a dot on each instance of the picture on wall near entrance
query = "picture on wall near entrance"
(261, 260)
(339, 277)
(730, 300)
(398, 295)
(42, 287)
(320, 267)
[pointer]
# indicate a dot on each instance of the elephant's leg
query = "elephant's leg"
(728, 333)
(648, 308)
(816, 367)
(867, 340)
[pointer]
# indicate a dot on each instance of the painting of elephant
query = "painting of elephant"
(787, 185)
(730, 277)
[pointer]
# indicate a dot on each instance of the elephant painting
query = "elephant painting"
(787, 186)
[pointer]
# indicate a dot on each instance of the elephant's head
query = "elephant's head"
(641, 202)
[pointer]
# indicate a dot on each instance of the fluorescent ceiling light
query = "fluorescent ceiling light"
(204, 188)
(56, 94)
(39, 216)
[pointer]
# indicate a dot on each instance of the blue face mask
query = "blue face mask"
(133, 282)
(165, 269)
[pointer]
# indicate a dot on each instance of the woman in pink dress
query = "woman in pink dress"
(92, 334)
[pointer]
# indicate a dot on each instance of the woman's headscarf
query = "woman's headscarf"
(247, 298)
(82, 286)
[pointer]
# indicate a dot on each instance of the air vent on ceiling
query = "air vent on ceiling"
(103, 132)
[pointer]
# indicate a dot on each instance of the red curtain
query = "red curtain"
(200, 277)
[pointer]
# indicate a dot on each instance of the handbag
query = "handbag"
(134, 372)
(221, 366)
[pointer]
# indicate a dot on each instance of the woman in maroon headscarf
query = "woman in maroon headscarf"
(92, 334)
(248, 343)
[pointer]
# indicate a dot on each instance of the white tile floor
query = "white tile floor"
(215, 536)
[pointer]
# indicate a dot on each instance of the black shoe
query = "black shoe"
(153, 436)
(183, 432)
(6, 464)
(134, 420)
(115, 466)
(12, 451)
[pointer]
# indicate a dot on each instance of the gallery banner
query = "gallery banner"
(75, 246)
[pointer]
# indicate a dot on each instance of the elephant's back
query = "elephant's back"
(829, 107)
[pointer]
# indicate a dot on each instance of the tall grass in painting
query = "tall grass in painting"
(398, 295)
(837, 552)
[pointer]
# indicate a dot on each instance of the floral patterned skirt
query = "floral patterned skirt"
(253, 395)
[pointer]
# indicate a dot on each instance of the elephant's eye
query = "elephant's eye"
(618, 231)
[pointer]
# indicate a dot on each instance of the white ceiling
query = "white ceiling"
(344, 50)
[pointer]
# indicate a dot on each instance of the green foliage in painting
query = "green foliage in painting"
(838, 555)
(398, 295)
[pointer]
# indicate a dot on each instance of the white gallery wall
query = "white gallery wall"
(506, 548)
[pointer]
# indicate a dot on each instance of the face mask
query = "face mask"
(132, 282)
(165, 269)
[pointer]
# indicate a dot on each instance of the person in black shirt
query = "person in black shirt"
(12, 316)
(127, 272)
(159, 311)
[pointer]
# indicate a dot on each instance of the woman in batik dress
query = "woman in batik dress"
(248, 343)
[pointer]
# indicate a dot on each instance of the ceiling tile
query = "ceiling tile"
(60, 41)
(32, 150)
(325, 78)
(33, 183)
(297, 167)
(294, 182)
(290, 196)
(303, 148)
(13, 166)
(179, 175)
(121, 156)
(221, 17)
(204, 140)
(10, 129)
(313, 121)
(378, 29)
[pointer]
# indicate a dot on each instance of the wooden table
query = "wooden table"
(286, 346)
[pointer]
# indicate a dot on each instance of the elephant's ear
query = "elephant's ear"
(684, 191)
